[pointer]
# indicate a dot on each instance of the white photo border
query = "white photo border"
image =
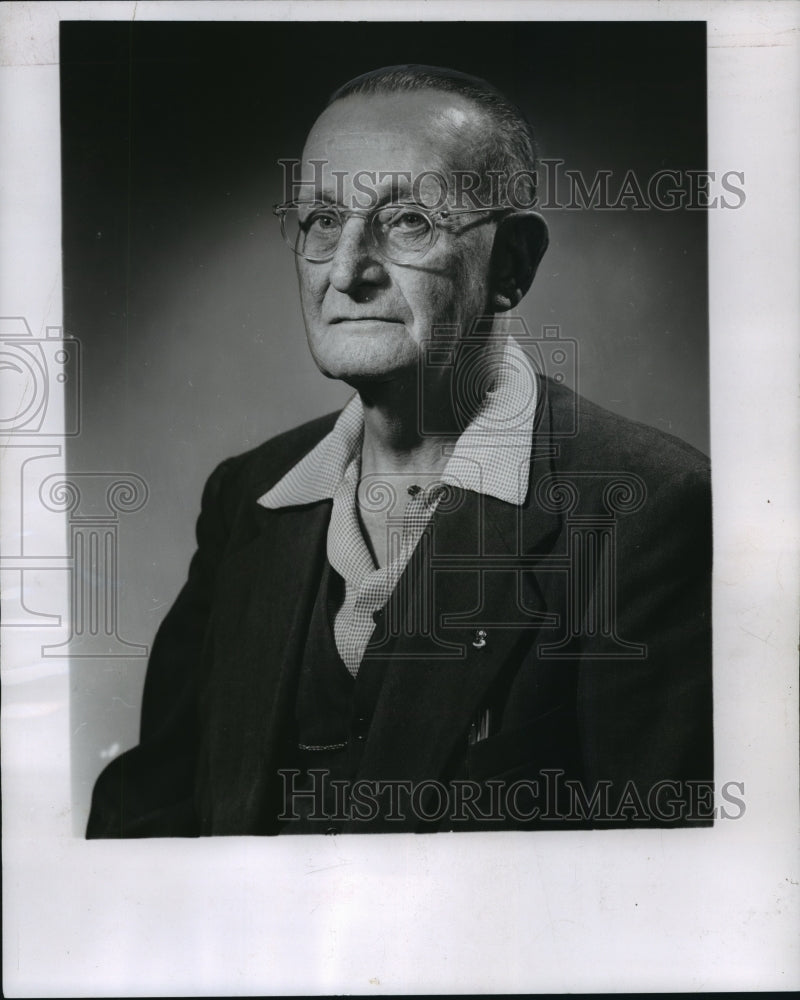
(687, 910)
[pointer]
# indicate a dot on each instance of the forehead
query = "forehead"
(401, 132)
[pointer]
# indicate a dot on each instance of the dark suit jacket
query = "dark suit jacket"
(595, 601)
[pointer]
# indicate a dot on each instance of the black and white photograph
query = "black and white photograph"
(472, 598)
(376, 463)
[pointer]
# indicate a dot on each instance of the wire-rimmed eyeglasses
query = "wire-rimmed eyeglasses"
(402, 233)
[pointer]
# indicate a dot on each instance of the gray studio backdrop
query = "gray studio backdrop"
(184, 298)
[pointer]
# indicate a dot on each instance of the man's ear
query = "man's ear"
(519, 245)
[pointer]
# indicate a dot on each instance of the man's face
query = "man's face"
(366, 317)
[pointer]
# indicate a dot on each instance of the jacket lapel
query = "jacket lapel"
(440, 668)
(267, 591)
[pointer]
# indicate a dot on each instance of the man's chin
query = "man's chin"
(359, 377)
(367, 369)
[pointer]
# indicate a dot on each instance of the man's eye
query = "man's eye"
(322, 222)
(409, 220)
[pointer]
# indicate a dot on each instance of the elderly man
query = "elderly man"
(472, 599)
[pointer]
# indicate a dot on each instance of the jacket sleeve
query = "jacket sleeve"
(149, 790)
(646, 722)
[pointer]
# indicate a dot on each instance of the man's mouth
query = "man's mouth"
(365, 319)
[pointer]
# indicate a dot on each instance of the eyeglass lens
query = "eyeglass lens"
(401, 232)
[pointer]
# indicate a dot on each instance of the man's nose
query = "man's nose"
(355, 261)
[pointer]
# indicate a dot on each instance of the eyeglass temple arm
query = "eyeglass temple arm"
(445, 212)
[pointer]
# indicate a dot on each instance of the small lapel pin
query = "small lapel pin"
(480, 639)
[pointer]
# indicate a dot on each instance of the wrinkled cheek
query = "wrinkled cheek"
(311, 296)
(458, 301)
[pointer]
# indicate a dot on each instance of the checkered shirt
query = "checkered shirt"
(492, 457)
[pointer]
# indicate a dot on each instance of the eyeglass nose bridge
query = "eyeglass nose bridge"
(371, 219)
(368, 217)
(355, 256)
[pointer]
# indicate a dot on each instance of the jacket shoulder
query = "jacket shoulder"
(247, 476)
(591, 436)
